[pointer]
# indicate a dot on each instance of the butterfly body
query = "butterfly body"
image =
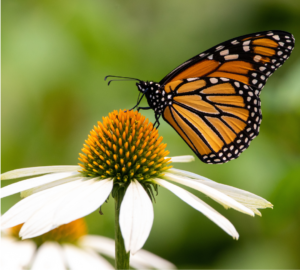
(154, 94)
(212, 100)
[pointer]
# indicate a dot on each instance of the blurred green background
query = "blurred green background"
(55, 55)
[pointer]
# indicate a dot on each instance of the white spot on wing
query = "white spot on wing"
(231, 56)
(276, 37)
(225, 52)
(213, 80)
(220, 47)
(257, 58)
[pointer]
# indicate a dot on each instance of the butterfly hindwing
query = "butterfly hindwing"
(217, 117)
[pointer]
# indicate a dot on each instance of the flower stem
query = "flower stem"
(122, 258)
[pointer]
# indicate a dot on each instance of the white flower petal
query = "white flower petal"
(254, 210)
(24, 252)
(182, 159)
(34, 182)
(7, 249)
(99, 243)
(201, 206)
(136, 217)
(211, 192)
(49, 257)
(141, 260)
(41, 220)
(78, 259)
(144, 259)
(84, 202)
(25, 208)
(15, 254)
(248, 199)
(31, 191)
(188, 174)
(37, 170)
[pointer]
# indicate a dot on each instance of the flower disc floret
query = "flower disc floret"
(124, 147)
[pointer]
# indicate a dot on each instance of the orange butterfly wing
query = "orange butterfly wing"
(215, 95)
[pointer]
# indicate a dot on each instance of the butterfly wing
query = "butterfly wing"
(217, 119)
(249, 59)
(216, 105)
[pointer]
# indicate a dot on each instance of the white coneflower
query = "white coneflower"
(123, 156)
(67, 247)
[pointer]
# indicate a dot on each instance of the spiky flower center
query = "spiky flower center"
(67, 233)
(124, 147)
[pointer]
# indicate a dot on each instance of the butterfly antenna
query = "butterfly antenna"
(118, 81)
(121, 77)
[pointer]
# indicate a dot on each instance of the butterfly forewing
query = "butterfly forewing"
(249, 59)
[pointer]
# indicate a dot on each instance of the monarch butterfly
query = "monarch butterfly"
(212, 100)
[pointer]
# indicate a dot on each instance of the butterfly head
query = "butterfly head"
(143, 86)
(147, 87)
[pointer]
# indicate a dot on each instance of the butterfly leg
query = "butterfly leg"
(138, 102)
(143, 108)
(157, 116)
